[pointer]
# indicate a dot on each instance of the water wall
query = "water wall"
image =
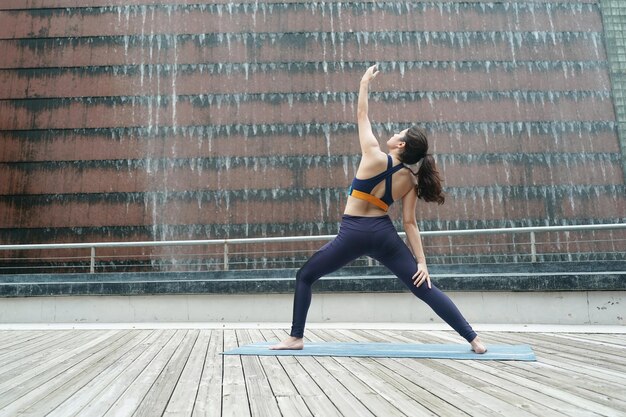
(180, 119)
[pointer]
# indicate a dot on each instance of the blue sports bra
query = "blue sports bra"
(361, 189)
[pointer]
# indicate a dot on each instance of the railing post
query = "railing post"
(92, 260)
(533, 248)
(225, 256)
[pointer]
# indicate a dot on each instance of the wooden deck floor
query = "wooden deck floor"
(177, 372)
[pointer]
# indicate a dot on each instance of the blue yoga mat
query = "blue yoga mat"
(392, 350)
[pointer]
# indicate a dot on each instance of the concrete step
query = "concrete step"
(555, 276)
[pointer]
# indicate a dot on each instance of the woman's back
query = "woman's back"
(371, 165)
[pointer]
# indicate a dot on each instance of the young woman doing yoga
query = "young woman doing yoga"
(366, 229)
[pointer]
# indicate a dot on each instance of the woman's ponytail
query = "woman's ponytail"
(415, 151)
(429, 181)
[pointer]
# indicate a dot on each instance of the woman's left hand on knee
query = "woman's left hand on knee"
(421, 275)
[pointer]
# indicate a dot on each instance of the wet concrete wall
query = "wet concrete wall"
(151, 120)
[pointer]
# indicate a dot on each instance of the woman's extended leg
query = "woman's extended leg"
(346, 247)
(396, 256)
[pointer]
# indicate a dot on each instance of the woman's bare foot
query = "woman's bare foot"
(477, 346)
(291, 343)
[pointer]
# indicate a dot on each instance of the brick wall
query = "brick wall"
(157, 119)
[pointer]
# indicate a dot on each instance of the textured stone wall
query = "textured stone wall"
(614, 20)
(156, 119)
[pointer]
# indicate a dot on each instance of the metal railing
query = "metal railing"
(531, 231)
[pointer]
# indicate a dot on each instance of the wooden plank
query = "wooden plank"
(615, 341)
(130, 402)
(289, 372)
(156, 399)
(592, 395)
(234, 394)
(582, 366)
(134, 381)
(575, 353)
(292, 406)
(88, 393)
(565, 391)
(569, 379)
(589, 396)
(260, 396)
(18, 337)
(616, 338)
(544, 354)
(55, 364)
(10, 334)
(281, 384)
(366, 336)
(14, 338)
(484, 402)
(209, 399)
(588, 371)
(432, 399)
(432, 364)
(42, 344)
(555, 357)
(438, 390)
(398, 391)
(289, 400)
(44, 398)
(610, 354)
(184, 396)
(345, 400)
(22, 360)
(370, 397)
(535, 402)
(435, 400)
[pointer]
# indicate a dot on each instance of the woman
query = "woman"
(367, 230)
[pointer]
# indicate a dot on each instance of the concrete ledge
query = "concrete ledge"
(570, 276)
(480, 327)
(567, 308)
(548, 293)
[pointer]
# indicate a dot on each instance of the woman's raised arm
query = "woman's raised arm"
(368, 141)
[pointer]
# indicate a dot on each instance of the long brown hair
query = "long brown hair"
(429, 181)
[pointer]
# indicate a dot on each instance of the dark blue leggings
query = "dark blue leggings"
(376, 237)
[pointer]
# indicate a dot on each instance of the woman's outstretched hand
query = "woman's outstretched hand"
(370, 74)
(421, 275)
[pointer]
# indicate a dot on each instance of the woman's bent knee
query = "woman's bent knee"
(304, 275)
(308, 274)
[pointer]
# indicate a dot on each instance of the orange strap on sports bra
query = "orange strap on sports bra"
(369, 198)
